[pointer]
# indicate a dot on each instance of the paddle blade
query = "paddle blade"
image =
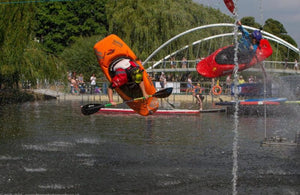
(163, 93)
(91, 108)
(230, 5)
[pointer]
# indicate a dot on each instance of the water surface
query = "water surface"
(49, 147)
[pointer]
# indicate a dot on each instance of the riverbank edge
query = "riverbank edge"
(14, 96)
(172, 98)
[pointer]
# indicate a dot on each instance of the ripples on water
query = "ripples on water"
(49, 147)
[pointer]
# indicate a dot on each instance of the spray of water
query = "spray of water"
(236, 121)
(263, 69)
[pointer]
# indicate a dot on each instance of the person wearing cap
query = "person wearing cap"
(125, 72)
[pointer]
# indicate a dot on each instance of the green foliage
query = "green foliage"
(250, 21)
(67, 32)
(58, 24)
(80, 57)
(16, 25)
(275, 27)
(144, 25)
(40, 65)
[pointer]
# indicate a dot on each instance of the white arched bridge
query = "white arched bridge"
(271, 66)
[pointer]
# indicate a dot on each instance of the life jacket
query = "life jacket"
(123, 75)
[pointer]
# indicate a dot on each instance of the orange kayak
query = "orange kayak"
(109, 50)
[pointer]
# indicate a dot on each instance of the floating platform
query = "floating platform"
(165, 112)
(260, 105)
(267, 101)
(280, 141)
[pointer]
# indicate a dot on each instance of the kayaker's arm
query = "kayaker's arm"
(142, 86)
(110, 96)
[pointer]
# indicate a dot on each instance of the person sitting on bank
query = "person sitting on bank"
(126, 72)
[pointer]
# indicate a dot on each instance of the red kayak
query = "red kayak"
(221, 63)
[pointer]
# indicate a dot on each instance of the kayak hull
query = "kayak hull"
(255, 101)
(160, 112)
(112, 48)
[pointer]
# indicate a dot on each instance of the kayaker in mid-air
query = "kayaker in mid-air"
(126, 72)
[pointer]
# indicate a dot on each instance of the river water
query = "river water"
(50, 147)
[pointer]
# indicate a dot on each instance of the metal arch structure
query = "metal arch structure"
(185, 47)
(268, 36)
(198, 42)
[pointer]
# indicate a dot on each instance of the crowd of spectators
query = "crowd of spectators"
(78, 85)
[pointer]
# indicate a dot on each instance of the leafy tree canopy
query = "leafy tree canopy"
(80, 57)
(58, 24)
(144, 25)
(274, 26)
(250, 21)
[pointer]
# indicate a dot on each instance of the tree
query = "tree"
(250, 21)
(144, 25)
(274, 27)
(277, 28)
(40, 65)
(81, 58)
(59, 24)
(22, 58)
(17, 22)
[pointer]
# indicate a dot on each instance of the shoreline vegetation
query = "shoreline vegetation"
(11, 96)
(14, 96)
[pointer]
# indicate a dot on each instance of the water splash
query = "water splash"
(264, 72)
(236, 120)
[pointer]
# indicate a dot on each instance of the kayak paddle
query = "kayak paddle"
(93, 108)
(230, 5)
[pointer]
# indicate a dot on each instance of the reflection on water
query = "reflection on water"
(49, 147)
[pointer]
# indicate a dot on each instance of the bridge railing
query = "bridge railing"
(191, 66)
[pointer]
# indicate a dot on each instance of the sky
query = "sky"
(286, 12)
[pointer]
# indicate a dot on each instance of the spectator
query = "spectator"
(241, 80)
(173, 62)
(197, 93)
(93, 83)
(228, 84)
(189, 84)
(81, 83)
(251, 79)
(74, 86)
(80, 79)
(184, 63)
(296, 65)
(163, 80)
